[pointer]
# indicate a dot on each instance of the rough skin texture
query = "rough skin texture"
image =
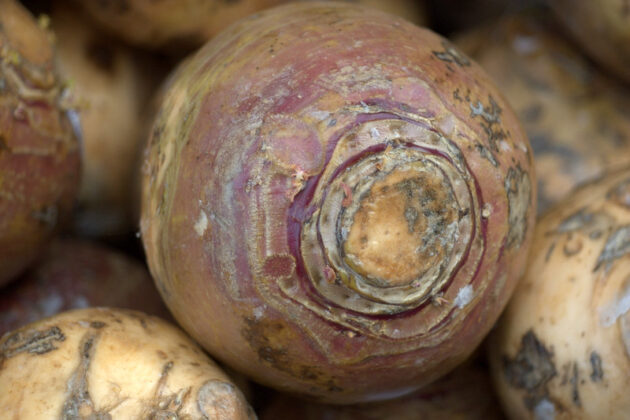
(112, 364)
(297, 159)
(464, 394)
(602, 27)
(576, 117)
(39, 153)
(562, 347)
(75, 274)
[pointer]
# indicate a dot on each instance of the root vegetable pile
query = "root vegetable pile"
(333, 203)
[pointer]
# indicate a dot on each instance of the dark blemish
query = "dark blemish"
(3, 143)
(518, 189)
(531, 369)
(259, 334)
(411, 215)
(79, 404)
(332, 123)
(550, 251)
(577, 221)
(620, 194)
(167, 406)
(617, 245)
(101, 55)
(485, 153)
(596, 234)
(463, 213)
(97, 324)
(574, 381)
(452, 55)
(33, 342)
(597, 372)
(490, 122)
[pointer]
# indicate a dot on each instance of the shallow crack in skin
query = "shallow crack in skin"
(167, 406)
(34, 342)
(452, 55)
(79, 405)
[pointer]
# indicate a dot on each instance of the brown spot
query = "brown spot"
(597, 371)
(518, 189)
(279, 266)
(33, 342)
(97, 324)
(531, 369)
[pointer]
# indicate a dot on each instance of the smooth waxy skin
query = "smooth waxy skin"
(575, 116)
(39, 153)
(464, 394)
(74, 274)
(562, 347)
(602, 27)
(109, 85)
(266, 189)
(112, 364)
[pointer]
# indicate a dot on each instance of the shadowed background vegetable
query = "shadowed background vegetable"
(464, 394)
(602, 29)
(336, 202)
(75, 274)
(39, 153)
(577, 119)
(562, 347)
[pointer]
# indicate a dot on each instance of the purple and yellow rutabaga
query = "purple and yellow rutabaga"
(39, 153)
(562, 347)
(336, 202)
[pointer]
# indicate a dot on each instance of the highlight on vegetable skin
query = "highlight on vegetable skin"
(336, 202)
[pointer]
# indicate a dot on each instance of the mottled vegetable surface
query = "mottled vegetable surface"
(112, 364)
(576, 118)
(464, 394)
(109, 85)
(562, 348)
(39, 153)
(75, 274)
(336, 202)
(602, 28)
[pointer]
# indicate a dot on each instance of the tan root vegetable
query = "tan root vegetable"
(562, 348)
(170, 24)
(109, 87)
(76, 274)
(602, 27)
(577, 120)
(336, 202)
(39, 154)
(112, 364)
(464, 394)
